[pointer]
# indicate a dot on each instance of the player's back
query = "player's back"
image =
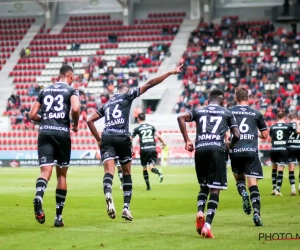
(55, 103)
(146, 132)
(116, 112)
(294, 139)
(212, 123)
(249, 121)
(280, 133)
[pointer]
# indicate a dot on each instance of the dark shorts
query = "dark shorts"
(226, 154)
(211, 168)
(250, 165)
(279, 157)
(115, 146)
(293, 155)
(54, 150)
(148, 157)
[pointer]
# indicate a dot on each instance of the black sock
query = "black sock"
(299, 178)
(60, 201)
(146, 178)
(202, 197)
(120, 174)
(127, 190)
(241, 187)
(292, 177)
(41, 185)
(274, 176)
(107, 183)
(255, 199)
(212, 206)
(155, 171)
(279, 180)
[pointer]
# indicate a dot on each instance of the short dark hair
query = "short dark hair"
(241, 94)
(292, 116)
(142, 116)
(122, 86)
(280, 115)
(216, 94)
(64, 69)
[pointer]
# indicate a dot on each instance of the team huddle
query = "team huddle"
(219, 130)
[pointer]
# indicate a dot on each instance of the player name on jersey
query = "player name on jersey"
(249, 120)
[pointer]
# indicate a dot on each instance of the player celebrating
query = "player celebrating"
(147, 134)
(212, 123)
(54, 142)
(280, 133)
(116, 139)
(244, 154)
(293, 153)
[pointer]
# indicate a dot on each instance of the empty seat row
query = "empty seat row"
(7, 49)
(105, 33)
(169, 14)
(89, 17)
(29, 66)
(9, 43)
(12, 32)
(10, 38)
(17, 20)
(89, 23)
(15, 26)
(164, 20)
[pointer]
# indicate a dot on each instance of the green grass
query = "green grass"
(164, 218)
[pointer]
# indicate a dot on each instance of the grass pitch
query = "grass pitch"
(164, 218)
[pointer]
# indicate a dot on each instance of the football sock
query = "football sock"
(212, 206)
(127, 190)
(120, 174)
(292, 179)
(107, 183)
(41, 185)
(274, 176)
(241, 187)
(255, 199)
(279, 180)
(146, 178)
(202, 197)
(60, 201)
(155, 171)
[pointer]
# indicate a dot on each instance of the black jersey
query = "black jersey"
(146, 133)
(248, 120)
(117, 110)
(212, 122)
(294, 140)
(55, 108)
(280, 134)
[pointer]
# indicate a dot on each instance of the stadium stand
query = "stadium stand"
(107, 54)
(250, 54)
(11, 32)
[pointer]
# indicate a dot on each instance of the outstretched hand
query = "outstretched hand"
(177, 70)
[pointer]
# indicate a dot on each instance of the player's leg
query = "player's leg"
(46, 161)
(146, 177)
(292, 177)
(127, 190)
(216, 181)
(254, 172)
(108, 156)
(60, 194)
(291, 163)
(238, 170)
(279, 179)
(151, 157)
(62, 153)
(202, 173)
(123, 147)
(120, 173)
(274, 172)
(143, 156)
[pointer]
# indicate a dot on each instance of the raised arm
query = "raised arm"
(33, 112)
(155, 81)
(158, 136)
(182, 119)
(91, 125)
